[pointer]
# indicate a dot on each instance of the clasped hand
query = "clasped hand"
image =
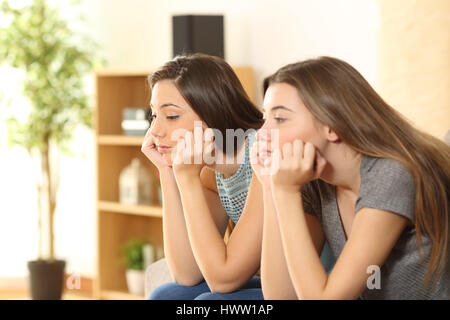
(193, 151)
(287, 169)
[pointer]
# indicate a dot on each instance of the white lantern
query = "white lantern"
(135, 184)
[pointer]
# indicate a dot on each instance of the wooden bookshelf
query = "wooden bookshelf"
(116, 222)
(118, 140)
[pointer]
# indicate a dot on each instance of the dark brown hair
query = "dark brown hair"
(338, 96)
(213, 91)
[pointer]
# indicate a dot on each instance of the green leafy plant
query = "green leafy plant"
(56, 61)
(134, 254)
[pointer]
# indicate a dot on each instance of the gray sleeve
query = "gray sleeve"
(388, 186)
(311, 199)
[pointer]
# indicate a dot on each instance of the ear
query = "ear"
(331, 135)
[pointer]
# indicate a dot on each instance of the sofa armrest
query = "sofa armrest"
(157, 274)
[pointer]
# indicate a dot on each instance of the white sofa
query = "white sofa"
(157, 274)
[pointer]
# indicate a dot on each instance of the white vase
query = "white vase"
(135, 282)
(134, 184)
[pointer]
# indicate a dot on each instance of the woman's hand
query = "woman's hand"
(295, 165)
(260, 157)
(149, 149)
(192, 152)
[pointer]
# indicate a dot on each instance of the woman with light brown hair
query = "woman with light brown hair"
(340, 164)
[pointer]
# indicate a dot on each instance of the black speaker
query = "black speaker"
(198, 33)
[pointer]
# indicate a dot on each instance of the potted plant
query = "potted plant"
(138, 254)
(55, 61)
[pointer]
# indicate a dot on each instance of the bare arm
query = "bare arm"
(276, 280)
(225, 266)
(373, 235)
(177, 247)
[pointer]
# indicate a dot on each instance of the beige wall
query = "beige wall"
(263, 34)
(413, 61)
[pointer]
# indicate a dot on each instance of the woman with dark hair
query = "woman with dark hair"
(195, 94)
(203, 125)
(348, 168)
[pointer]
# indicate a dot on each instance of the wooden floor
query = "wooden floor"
(18, 289)
(24, 295)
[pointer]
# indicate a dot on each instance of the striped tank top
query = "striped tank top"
(233, 190)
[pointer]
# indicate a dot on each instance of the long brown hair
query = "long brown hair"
(214, 92)
(338, 96)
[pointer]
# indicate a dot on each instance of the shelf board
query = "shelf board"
(141, 210)
(119, 295)
(120, 140)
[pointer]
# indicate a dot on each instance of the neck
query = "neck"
(343, 168)
(226, 169)
(230, 164)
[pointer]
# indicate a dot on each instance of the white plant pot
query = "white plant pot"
(135, 282)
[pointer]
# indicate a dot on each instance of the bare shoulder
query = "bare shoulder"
(208, 179)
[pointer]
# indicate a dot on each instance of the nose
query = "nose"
(267, 124)
(156, 130)
(264, 133)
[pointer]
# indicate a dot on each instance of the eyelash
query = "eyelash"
(153, 116)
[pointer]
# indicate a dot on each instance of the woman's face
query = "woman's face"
(170, 111)
(286, 113)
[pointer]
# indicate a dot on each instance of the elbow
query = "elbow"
(187, 278)
(275, 293)
(314, 295)
(186, 275)
(222, 288)
(268, 295)
(276, 289)
(267, 292)
(220, 285)
(187, 281)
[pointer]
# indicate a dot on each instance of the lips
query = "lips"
(162, 149)
(265, 153)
